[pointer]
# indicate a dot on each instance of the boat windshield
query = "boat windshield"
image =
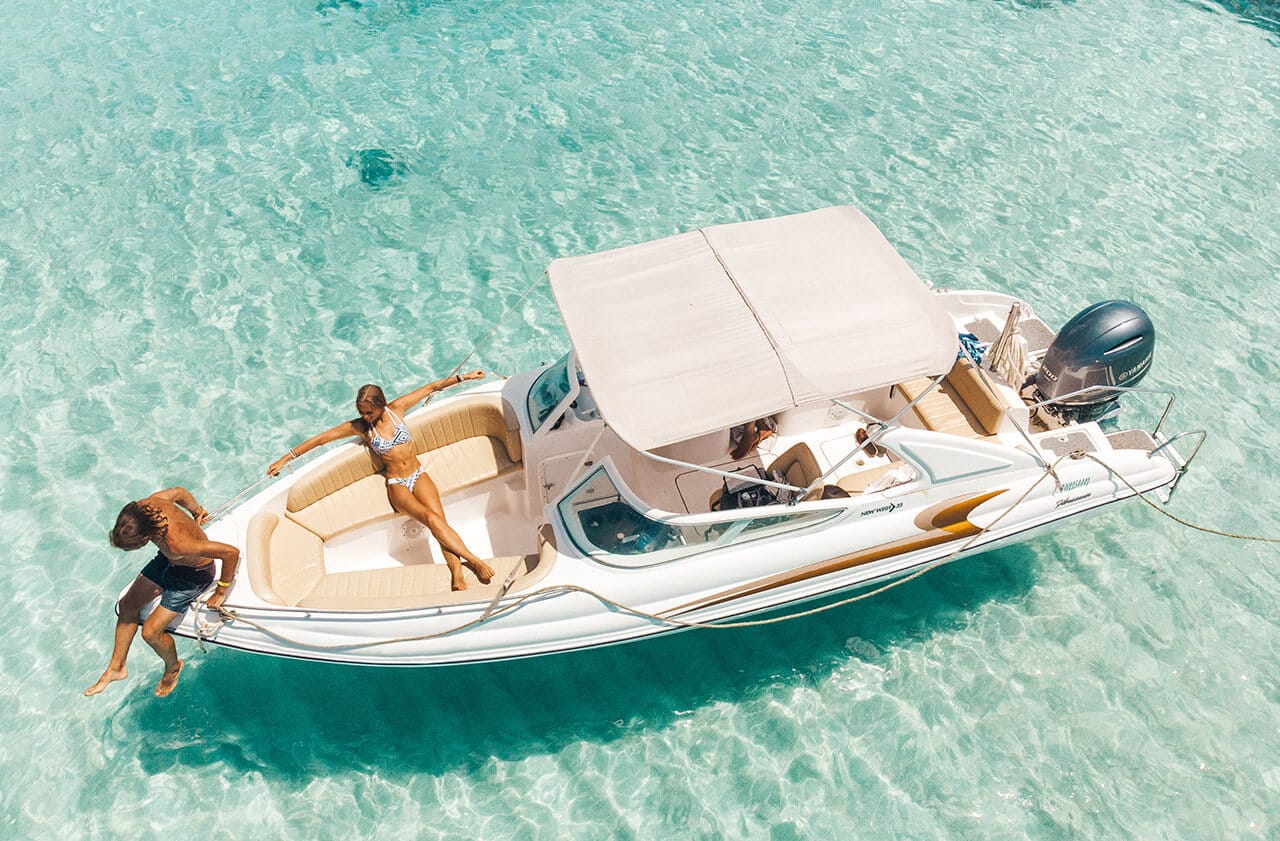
(607, 524)
(551, 388)
(548, 391)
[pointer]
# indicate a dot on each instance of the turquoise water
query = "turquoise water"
(218, 218)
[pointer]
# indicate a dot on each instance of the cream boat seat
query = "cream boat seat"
(288, 569)
(464, 444)
(962, 404)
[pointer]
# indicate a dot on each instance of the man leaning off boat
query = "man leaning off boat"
(182, 569)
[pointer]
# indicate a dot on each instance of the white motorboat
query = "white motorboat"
(603, 486)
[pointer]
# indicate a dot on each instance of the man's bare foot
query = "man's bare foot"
(109, 676)
(482, 570)
(169, 681)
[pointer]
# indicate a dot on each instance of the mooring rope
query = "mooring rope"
(484, 340)
(1170, 514)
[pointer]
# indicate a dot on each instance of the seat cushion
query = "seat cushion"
(797, 466)
(942, 409)
(349, 507)
(409, 586)
(285, 560)
(962, 404)
(388, 588)
(477, 417)
(464, 463)
(347, 469)
(986, 405)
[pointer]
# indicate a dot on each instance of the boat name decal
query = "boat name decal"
(883, 509)
(1072, 499)
(1073, 484)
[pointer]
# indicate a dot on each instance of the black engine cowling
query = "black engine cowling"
(1106, 344)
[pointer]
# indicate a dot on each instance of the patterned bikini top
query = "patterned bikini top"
(381, 445)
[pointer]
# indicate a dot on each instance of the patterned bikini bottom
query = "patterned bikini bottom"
(408, 481)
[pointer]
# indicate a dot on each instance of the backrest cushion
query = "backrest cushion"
(481, 415)
(347, 469)
(285, 560)
(985, 404)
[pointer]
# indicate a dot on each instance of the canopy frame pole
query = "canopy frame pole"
(871, 439)
(727, 475)
(799, 492)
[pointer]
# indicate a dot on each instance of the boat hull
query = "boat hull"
(562, 617)
(531, 474)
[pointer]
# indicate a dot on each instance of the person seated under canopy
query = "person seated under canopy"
(744, 438)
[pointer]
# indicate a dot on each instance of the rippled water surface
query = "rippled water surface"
(217, 218)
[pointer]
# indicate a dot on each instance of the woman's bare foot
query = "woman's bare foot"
(169, 681)
(109, 676)
(482, 570)
(457, 581)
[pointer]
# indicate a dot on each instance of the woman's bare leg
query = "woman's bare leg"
(457, 582)
(128, 615)
(424, 506)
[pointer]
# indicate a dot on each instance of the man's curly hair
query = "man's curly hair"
(137, 524)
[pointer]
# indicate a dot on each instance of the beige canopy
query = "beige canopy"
(700, 331)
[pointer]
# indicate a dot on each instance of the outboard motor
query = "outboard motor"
(1106, 344)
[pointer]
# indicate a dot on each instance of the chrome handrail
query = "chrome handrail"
(886, 426)
(717, 472)
(1116, 388)
(1203, 433)
(1185, 464)
(225, 508)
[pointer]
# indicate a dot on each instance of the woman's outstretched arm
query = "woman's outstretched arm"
(405, 402)
(346, 429)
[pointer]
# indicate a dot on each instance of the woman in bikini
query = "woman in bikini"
(409, 489)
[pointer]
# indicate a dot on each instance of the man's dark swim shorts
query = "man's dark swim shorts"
(181, 584)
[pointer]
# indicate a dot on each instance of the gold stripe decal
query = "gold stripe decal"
(952, 515)
(940, 524)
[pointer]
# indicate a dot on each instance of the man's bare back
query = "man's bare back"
(183, 539)
(170, 520)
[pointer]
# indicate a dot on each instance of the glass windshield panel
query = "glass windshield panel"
(604, 524)
(549, 389)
